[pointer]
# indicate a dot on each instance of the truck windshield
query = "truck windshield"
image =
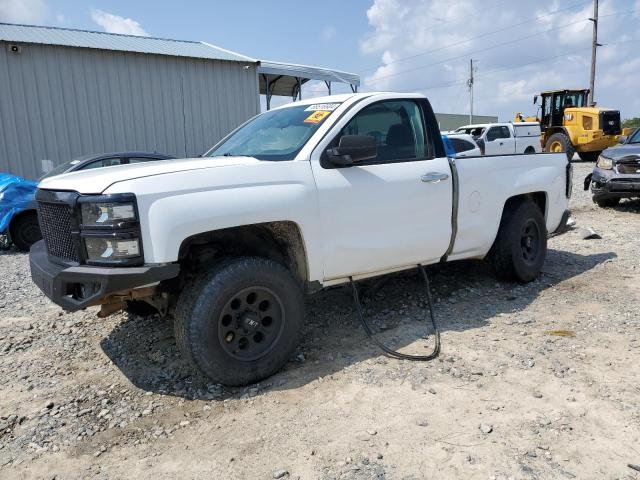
(275, 135)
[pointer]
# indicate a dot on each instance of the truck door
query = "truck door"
(390, 211)
(499, 141)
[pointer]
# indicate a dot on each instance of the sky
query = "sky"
(519, 48)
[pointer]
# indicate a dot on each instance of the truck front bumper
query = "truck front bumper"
(609, 184)
(75, 288)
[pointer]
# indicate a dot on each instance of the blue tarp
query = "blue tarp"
(15, 195)
(448, 147)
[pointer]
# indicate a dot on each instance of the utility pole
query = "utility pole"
(470, 84)
(594, 47)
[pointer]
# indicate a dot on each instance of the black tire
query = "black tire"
(529, 150)
(234, 338)
(521, 245)
(589, 156)
(607, 202)
(140, 308)
(561, 141)
(25, 231)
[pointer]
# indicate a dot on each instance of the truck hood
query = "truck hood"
(96, 181)
(620, 151)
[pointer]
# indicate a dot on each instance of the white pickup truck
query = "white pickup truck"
(505, 138)
(302, 197)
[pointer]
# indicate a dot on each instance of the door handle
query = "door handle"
(434, 177)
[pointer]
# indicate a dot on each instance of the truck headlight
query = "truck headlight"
(604, 163)
(105, 249)
(107, 213)
(110, 232)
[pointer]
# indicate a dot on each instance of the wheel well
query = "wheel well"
(278, 241)
(539, 198)
(24, 213)
(529, 149)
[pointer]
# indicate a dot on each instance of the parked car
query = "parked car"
(505, 138)
(461, 145)
(18, 216)
(309, 195)
(617, 173)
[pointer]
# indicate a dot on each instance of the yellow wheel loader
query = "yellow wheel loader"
(569, 125)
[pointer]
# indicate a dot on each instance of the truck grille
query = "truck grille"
(629, 166)
(56, 226)
(610, 122)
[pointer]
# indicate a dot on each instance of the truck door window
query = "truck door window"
(397, 126)
(557, 103)
(495, 133)
(460, 145)
(546, 107)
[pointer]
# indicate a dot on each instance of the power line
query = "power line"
(514, 67)
(492, 47)
(486, 34)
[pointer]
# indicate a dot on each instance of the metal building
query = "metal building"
(451, 121)
(66, 93)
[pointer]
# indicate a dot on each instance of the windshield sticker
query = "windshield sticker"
(317, 117)
(330, 107)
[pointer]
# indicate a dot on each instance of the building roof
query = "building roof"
(112, 41)
(283, 78)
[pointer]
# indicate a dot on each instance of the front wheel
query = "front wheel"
(607, 202)
(240, 322)
(521, 245)
(589, 156)
(558, 143)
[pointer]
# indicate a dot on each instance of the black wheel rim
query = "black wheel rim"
(530, 242)
(30, 233)
(251, 323)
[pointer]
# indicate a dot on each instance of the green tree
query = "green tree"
(631, 122)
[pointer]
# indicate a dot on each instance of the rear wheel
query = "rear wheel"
(240, 322)
(25, 231)
(558, 143)
(521, 245)
(607, 202)
(589, 156)
(529, 150)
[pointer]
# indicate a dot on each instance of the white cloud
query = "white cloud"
(117, 24)
(22, 11)
(328, 33)
(426, 43)
(60, 18)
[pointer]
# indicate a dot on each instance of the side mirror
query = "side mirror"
(352, 149)
(622, 139)
(535, 99)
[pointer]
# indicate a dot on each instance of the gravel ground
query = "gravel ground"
(508, 397)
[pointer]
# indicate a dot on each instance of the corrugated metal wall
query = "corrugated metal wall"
(451, 121)
(57, 103)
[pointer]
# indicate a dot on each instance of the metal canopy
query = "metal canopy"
(286, 79)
